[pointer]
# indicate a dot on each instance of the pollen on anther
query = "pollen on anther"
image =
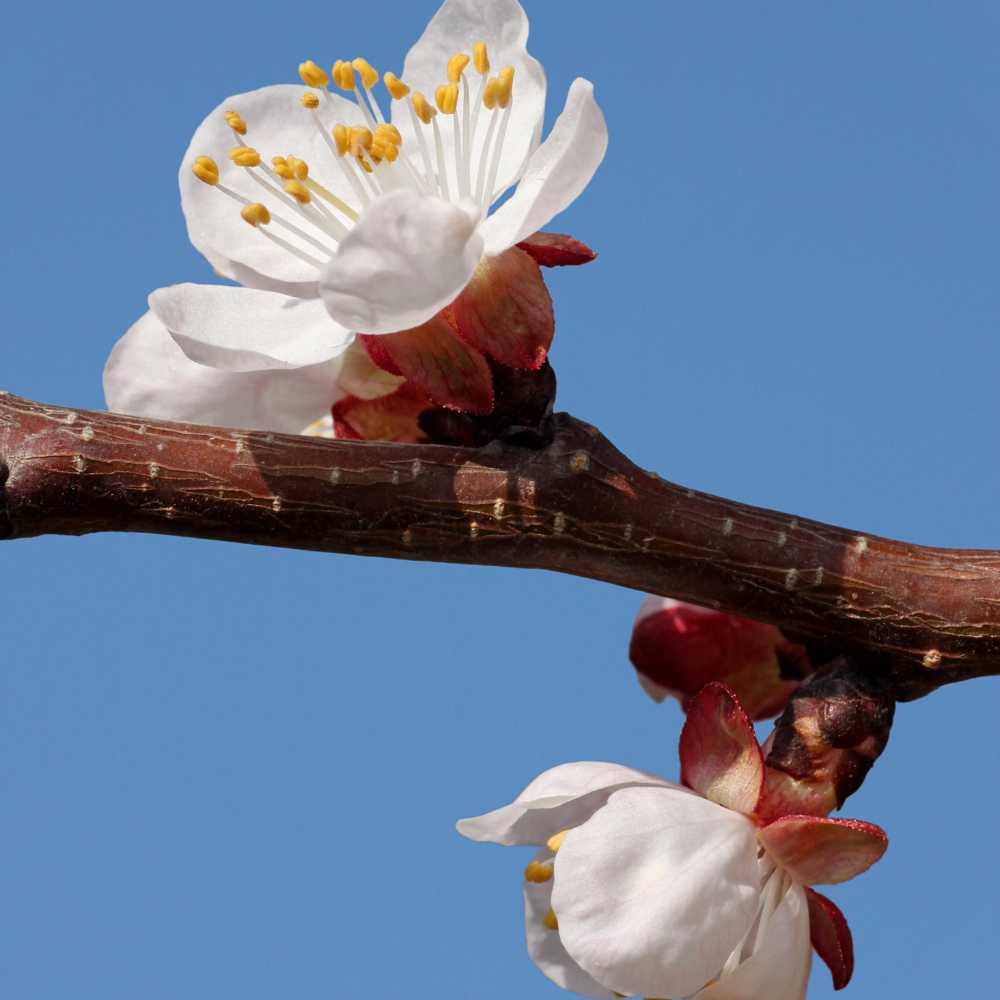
(397, 89)
(342, 137)
(480, 59)
(312, 75)
(205, 169)
(555, 841)
(446, 98)
(256, 214)
(343, 75)
(425, 112)
(236, 123)
(244, 156)
(456, 66)
(538, 873)
(491, 94)
(298, 191)
(369, 76)
(310, 101)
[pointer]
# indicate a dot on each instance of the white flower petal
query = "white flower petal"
(277, 125)
(558, 799)
(655, 890)
(148, 375)
(544, 945)
(244, 329)
(779, 970)
(407, 257)
(456, 27)
(555, 175)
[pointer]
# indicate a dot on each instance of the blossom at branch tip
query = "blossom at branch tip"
(644, 887)
(385, 223)
(678, 648)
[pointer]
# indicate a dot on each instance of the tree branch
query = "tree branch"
(926, 616)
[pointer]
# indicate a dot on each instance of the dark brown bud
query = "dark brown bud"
(828, 737)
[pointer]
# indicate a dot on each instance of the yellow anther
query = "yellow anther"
(342, 138)
(369, 76)
(480, 59)
(538, 873)
(397, 89)
(298, 192)
(256, 214)
(549, 920)
(423, 108)
(343, 75)
(456, 66)
(503, 91)
(365, 164)
(281, 168)
(298, 167)
(310, 101)
(359, 138)
(312, 75)
(236, 123)
(382, 148)
(507, 73)
(205, 169)
(554, 843)
(446, 98)
(492, 93)
(244, 156)
(391, 133)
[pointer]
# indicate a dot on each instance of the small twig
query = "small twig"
(930, 616)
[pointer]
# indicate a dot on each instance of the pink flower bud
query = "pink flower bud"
(678, 648)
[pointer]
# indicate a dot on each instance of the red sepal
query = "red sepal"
(506, 311)
(720, 756)
(831, 937)
(556, 250)
(442, 365)
(377, 352)
(818, 850)
(395, 417)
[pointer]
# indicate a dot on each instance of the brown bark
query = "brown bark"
(926, 616)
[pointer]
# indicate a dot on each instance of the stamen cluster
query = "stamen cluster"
(371, 156)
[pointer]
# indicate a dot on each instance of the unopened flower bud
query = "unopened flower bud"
(678, 648)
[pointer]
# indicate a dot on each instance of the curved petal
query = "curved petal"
(818, 851)
(556, 174)
(831, 937)
(779, 968)
(456, 27)
(406, 258)
(544, 944)
(655, 890)
(720, 756)
(245, 330)
(148, 375)
(558, 799)
(277, 125)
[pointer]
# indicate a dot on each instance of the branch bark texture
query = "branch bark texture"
(924, 616)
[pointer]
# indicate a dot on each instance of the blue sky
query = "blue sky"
(234, 772)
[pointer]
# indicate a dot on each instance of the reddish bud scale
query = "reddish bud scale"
(827, 739)
(377, 352)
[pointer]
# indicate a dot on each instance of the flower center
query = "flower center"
(371, 157)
